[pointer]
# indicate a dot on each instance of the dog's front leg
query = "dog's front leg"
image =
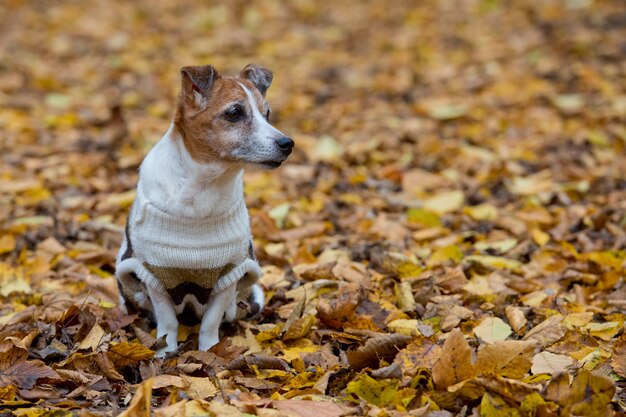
(167, 323)
(210, 326)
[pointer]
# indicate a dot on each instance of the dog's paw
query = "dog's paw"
(206, 343)
(257, 300)
(161, 353)
(231, 312)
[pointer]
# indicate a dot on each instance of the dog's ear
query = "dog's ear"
(260, 77)
(197, 83)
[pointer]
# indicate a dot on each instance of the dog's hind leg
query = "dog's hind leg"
(167, 323)
(231, 311)
(218, 304)
(257, 299)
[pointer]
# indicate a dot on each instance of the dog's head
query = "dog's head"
(227, 118)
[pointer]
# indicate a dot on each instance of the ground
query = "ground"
(448, 237)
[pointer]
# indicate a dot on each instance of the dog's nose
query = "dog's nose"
(285, 143)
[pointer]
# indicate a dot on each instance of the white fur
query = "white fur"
(262, 147)
(174, 182)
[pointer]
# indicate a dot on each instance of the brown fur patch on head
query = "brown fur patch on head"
(206, 133)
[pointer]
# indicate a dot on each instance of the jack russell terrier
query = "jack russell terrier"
(186, 253)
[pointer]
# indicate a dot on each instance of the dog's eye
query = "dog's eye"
(267, 115)
(234, 113)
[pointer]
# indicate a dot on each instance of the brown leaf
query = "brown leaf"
(255, 383)
(124, 353)
(199, 388)
(618, 360)
(452, 280)
(454, 364)
(548, 331)
(260, 361)
(507, 358)
(454, 317)
(163, 381)
(107, 368)
(140, 405)
(26, 374)
(300, 327)
(144, 337)
(420, 353)
(296, 314)
(304, 408)
(380, 347)
(227, 351)
(341, 306)
(516, 319)
(93, 338)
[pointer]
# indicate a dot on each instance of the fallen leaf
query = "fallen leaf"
(517, 320)
(454, 362)
(548, 331)
(140, 405)
(124, 353)
(492, 329)
(507, 358)
(550, 363)
(377, 348)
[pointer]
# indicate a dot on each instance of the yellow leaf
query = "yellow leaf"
(404, 296)
(12, 280)
(540, 237)
(125, 353)
(300, 327)
(421, 353)
(423, 217)
(445, 202)
(8, 393)
(279, 214)
(270, 334)
(577, 319)
(7, 243)
(327, 149)
(450, 253)
(380, 393)
(405, 326)
(494, 406)
(605, 331)
(93, 338)
(496, 262)
(549, 363)
(482, 212)
(141, 403)
(500, 246)
(590, 395)
(492, 329)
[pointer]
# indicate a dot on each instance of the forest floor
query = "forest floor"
(447, 239)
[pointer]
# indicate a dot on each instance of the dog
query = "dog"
(186, 254)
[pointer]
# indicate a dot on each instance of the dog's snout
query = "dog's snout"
(285, 143)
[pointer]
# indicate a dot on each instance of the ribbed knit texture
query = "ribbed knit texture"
(167, 250)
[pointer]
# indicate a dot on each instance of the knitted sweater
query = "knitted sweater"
(187, 257)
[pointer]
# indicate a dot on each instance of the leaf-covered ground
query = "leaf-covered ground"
(448, 237)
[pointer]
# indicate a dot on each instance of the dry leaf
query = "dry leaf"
(548, 331)
(550, 363)
(377, 348)
(455, 361)
(508, 358)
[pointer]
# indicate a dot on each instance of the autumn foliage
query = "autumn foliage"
(447, 239)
